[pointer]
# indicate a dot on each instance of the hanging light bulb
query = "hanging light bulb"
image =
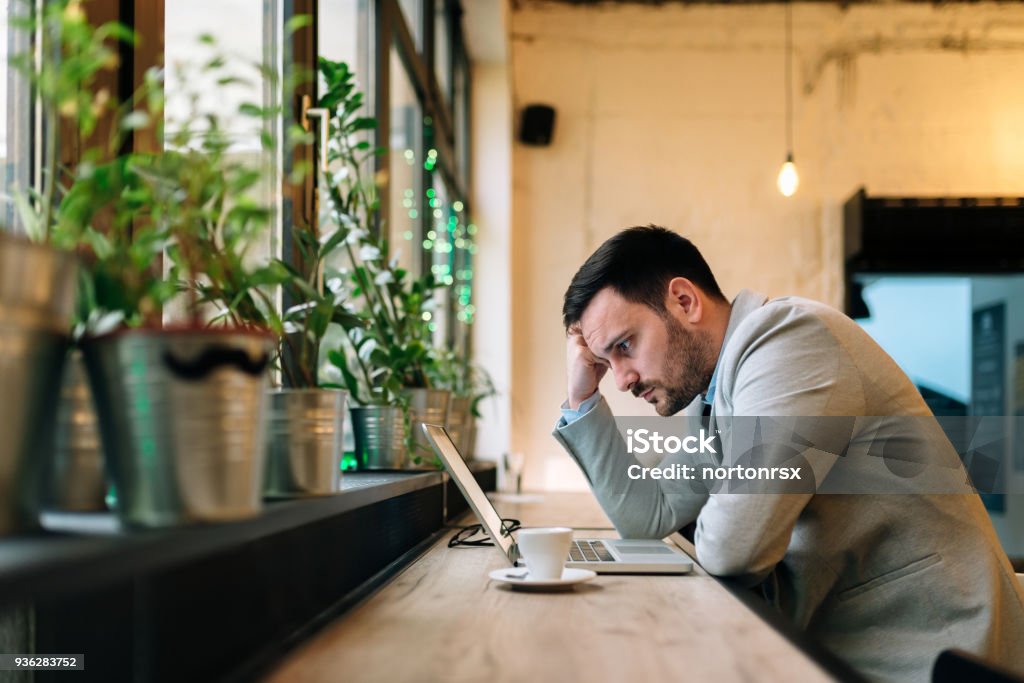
(789, 179)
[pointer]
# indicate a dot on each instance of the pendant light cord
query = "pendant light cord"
(789, 78)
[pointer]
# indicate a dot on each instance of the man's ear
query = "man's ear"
(684, 300)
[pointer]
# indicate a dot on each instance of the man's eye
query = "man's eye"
(624, 345)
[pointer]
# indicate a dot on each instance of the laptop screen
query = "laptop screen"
(456, 466)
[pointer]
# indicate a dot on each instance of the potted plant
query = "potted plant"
(470, 384)
(181, 403)
(306, 420)
(38, 271)
(307, 416)
(383, 363)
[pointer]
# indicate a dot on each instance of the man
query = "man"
(885, 581)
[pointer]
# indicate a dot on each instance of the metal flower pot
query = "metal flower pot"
(181, 415)
(37, 284)
(78, 483)
(379, 434)
(31, 364)
(37, 291)
(304, 437)
(458, 424)
(425, 406)
(469, 438)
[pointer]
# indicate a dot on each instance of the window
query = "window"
(341, 26)
(412, 13)
(443, 50)
(409, 61)
(16, 124)
(192, 86)
(406, 158)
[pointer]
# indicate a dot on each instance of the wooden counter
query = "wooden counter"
(442, 619)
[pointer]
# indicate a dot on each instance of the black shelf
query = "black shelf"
(225, 594)
(82, 550)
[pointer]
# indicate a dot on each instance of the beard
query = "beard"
(688, 368)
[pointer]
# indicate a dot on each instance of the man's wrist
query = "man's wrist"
(575, 403)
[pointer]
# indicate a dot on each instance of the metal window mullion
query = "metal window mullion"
(427, 135)
(384, 11)
(422, 77)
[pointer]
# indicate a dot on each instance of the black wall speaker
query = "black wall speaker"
(537, 124)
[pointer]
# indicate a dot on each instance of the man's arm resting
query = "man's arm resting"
(639, 508)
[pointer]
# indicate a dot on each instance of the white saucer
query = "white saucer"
(519, 577)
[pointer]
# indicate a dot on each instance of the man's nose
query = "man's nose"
(625, 377)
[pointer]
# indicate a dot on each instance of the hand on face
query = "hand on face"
(585, 369)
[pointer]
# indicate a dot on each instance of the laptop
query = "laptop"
(601, 555)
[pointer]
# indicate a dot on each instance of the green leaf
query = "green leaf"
(347, 320)
(29, 217)
(117, 31)
(250, 109)
(333, 242)
(297, 22)
(363, 123)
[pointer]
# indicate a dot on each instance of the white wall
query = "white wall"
(675, 114)
(492, 176)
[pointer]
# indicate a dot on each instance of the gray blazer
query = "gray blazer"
(885, 581)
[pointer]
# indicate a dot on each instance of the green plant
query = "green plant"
(64, 82)
(391, 351)
(193, 208)
(455, 372)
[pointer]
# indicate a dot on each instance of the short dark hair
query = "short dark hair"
(638, 264)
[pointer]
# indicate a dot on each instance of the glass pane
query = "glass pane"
(462, 288)
(238, 29)
(961, 341)
(4, 116)
(460, 106)
(441, 220)
(238, 32)
(442, 52)
(907, 312)
(412, 12)
(15, 121)
(338, 28)
(406, 160)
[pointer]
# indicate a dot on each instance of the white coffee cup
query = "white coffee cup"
(545, 551)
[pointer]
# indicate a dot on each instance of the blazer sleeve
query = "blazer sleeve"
(639, 508)
(793, 365)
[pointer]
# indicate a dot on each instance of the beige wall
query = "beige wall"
(491, 175)
(674, 115)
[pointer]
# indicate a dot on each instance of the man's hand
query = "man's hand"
(585, 369)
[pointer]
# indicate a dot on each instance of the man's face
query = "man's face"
(655, 357)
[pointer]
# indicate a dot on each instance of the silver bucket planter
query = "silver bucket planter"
(31, 365)
(459, 424)
(304, 442)
(182, 419)
(37, 291)
(470, 438)
(379, 436)
(37, 284)
(425, 406)
(78, 483)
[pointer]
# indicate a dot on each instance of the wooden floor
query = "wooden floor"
(442, 619)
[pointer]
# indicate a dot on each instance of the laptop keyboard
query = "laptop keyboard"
(589, 551)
